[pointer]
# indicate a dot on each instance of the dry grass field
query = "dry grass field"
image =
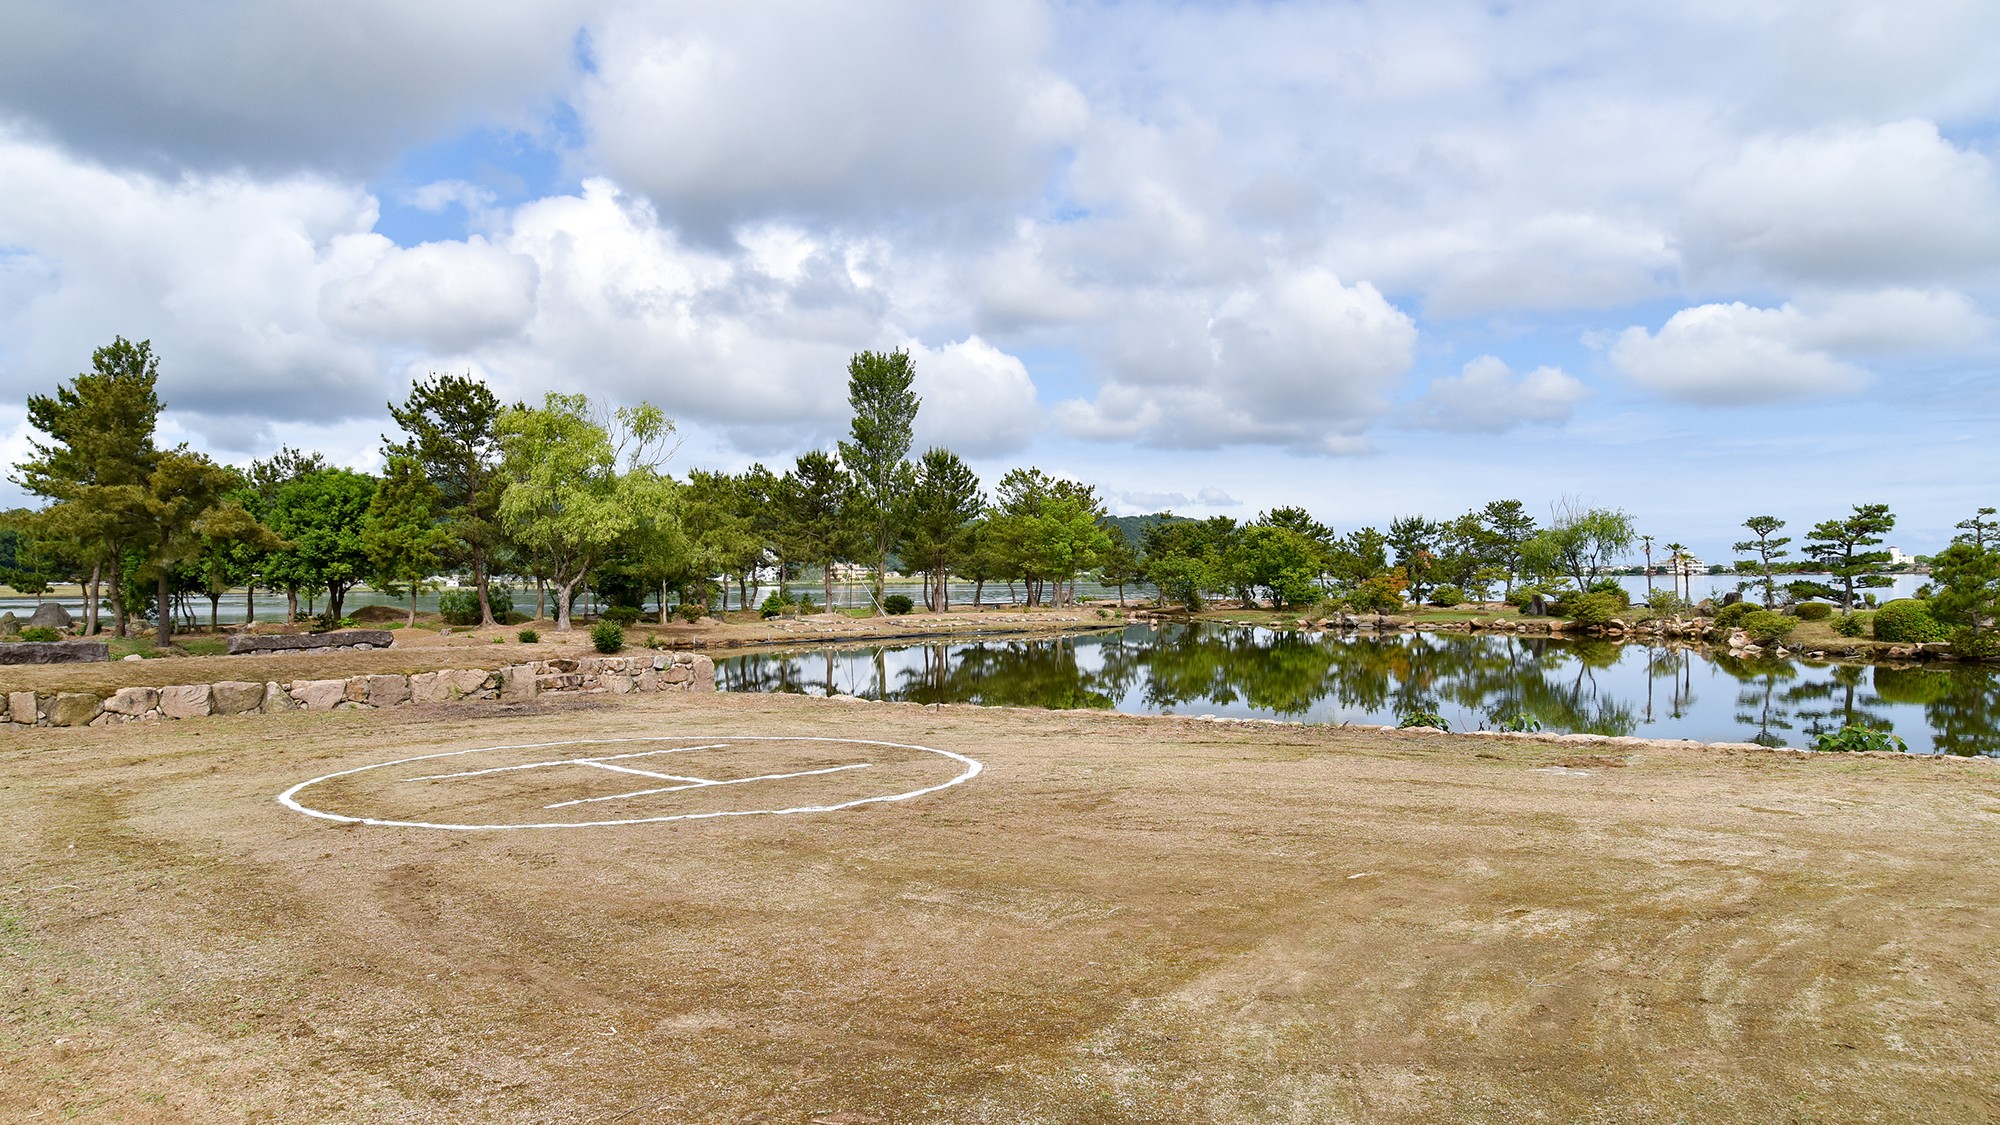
(1118, 920)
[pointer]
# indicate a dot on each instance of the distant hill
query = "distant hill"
(1135, 527)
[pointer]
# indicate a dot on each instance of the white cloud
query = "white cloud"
(447, 296)
(1216, 498)
(1299, 360)
(977, 399)
(1885, 204)
(1486, 398)
(725, 110)
(1734, 355)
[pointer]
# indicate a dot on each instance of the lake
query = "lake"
(1477, 681)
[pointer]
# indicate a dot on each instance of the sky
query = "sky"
(1697, 261)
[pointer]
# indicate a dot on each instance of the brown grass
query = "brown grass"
(1121, 920)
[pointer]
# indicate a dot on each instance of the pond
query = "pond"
(1568, 686)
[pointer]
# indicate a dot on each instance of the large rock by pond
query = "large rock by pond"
(54, 652)
(51, 615)
(310, 642)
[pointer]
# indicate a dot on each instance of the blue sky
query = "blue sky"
(1697, 261)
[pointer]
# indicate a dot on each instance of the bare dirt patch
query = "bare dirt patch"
(1120, 920)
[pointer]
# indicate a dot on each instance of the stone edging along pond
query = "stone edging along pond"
(653, 672)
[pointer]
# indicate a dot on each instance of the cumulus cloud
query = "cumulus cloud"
(1300, 360)
(278, 84)
(1216, 498)
(1485, 397)
(723, 110)
(446, 296)
(977, 399)
(1735, 354)
(1893, 203)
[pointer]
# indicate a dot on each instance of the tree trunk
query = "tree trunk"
(336, 596)
(214, 613)
(164, 635)
(663, 603)
(291, 604)
(479, 580)
(412, 623)
(827, 606)
(978, 593)
(541, 596)
(562, 606)
(90, 604)
(117, 597)
(249, 604)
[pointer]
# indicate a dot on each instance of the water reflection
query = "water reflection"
(1589, 686)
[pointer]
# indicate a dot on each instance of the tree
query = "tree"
(1510, 525)
(1840, 548)
(184, 498)
(1676, 556)
(1647, 542)
(96, 462)
(325, 514)
(402, 537)
(1415, 541)
(937, 531)
(1120, 565)
(1767, 549)
(234, 544)
(1282, 561)
(566, 498)
(1968, 578)
(885, 409)
(1046, 530)
(1588, 539)
(452, 423)
(812, 514)
(280, 570)
(721, 535)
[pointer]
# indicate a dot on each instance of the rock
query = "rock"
(319, 695)
(517, 682)
(51, 615)
(74, 709)
(618, 683)
(54, 652)
(297, 642)
(1731, 598)
(236, 697)
(704, 674)
(24, 707)
(276, 699)
(384, 691)
(186, 701)
(1538, 606)
(133, 701)
(133, 656)
(10, 625)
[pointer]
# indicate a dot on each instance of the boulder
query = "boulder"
(133, 701)
(304, 642)
(51, 615)
(1731, 598)
(74, 709)
(237, 697)
(704, 674)
(10, 625)
(319, 695)
(186, 701)
(517, 682)
(25, 707)
(384, 691)
(276, 699)
(54, 652)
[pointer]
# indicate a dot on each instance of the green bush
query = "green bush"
(460, 606)
(607, 636)
(1613, 587)
(1381, 594)
(1666, 603)
(806, 603)
(1974, 646)
(40, 633)
(1907, 621)
(1590, 609)
(898, 604)
(1448, 595)
(1731, 616)
(774, 605)
(1424, 719)
(1765, 626)
(326, 622)
(1854, 738)
(1812, 611)
(620, 614)
(1849, 625)
(528, 637)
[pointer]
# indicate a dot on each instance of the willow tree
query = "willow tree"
(578, 479)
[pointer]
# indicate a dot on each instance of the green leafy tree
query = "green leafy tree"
(402, 536)
(578, 483)
(234, 545)
(1768, 551)
(452, 423)
(1508, 525)
(885, 410)
(95, 463)
(1120, 565)
(1281, 561)
(280, 570)
(186, 498)
(1187, 559)
(1588, 539)
(942, 506)
(1359, 557)
(1676, 556)
(1967, 577)
(1046, 531)
(1841, 548)
(1417, 543)
(722, 534)
(812, 514)
(325, 515)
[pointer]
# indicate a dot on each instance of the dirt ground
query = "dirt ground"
(1118, 920)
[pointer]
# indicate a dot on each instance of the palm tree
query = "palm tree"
(1674, 560)
(1648, 541)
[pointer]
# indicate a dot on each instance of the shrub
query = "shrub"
(1449, 595)
(620, 614)
(528, 637)
(1380, 594)
(1854, 738)
(898, 604)
(1520, 721)
(607, 636)
(692, 612)
(806, 604)
(1763, 625)
(1812, 611)
(460, 606)
(1590, 609)
(40, 633)
(1666, 603)
(1974, 646)
(1731, 616)
(1424, 719)
(326, 622)
(1907, 621)
(1848, 625)
(1610, 586)
(773, 605)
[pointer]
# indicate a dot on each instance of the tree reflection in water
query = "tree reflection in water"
(1591, 686)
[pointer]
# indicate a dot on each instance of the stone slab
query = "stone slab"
(54, 652)
(74, 709)
(305, 642)
(237, 697)
(133, 701)
(186, 701)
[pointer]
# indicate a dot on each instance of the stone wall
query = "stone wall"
(617, 675)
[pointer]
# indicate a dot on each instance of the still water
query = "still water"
(1594, 687)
